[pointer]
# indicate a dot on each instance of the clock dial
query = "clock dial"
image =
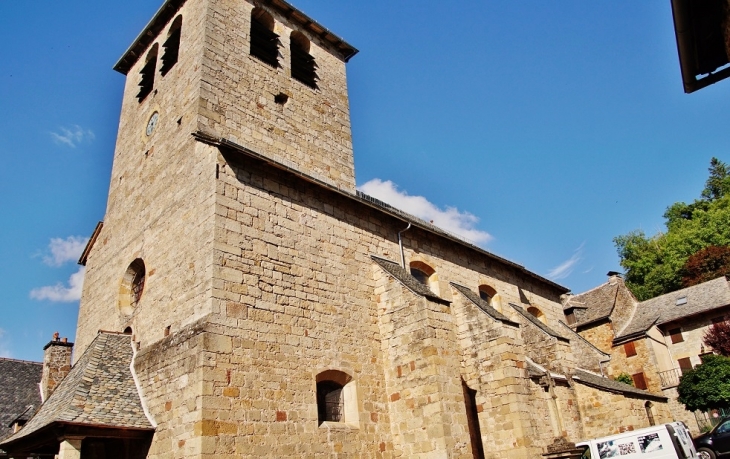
(152, 123)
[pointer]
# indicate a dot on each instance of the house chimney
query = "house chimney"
(56, 364)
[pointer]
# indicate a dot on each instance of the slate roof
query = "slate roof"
(663, 309)
(483, 305)
(595, 304)
(405, 278)
(99, 391)
(590, 379)
(19, 390)
(536, 322)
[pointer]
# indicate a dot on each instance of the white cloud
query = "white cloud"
(73, 136)
(65, 250)
(565, 268)
(62, 293)
(459, 223)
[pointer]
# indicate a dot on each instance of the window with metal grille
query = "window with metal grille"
(264, 42)
(147, 74)
(630, 349)
(330, 402)
(303, 66)
(137, 286)
(132, 287)
(171, 46)
(676, 335)
(639, 380)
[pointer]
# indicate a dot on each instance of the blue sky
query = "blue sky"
(539, 130)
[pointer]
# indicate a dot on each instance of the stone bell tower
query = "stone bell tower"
(261, 76)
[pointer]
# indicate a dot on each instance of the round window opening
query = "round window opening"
(130, 292)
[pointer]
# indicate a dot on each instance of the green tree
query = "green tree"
(707, 386)
(654, 265)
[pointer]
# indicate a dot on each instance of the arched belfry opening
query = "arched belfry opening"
(303, 66)
(264, 41)
(147, 74)
(171, 46)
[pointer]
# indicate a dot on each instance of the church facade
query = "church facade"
(273, 310)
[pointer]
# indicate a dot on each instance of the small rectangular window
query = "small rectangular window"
(570, 317)
(639, 381)
(630, 349)
(676, 335)
(684, 364)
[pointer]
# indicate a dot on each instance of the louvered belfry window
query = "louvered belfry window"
(264, 42)
(171, 46)
(147, 74)
(303, 66)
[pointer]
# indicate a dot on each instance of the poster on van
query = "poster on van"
(650, 443)
(613, 448)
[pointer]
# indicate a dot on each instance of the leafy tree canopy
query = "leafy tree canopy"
(707, 386)
(655, 265)
(717, 337)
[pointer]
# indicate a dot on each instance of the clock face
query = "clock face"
(152, 123)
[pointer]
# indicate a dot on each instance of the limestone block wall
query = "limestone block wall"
(422, 373)
(545, 350)
(605, 413)
(600, 335)
(554, 412)
(493, 363)
(171, 375)
(161, 203)
(585, 355)
(311, 130)
(643, 362)
(678, 412)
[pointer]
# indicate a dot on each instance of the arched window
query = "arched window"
(147, 74)
(303, 67)
(487, 293)
(171, 46)
(421, 271)
(128, 331)
(264, 42)
(537, 313)
(336, 398)
(130, 292)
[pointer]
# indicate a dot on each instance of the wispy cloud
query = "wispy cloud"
(65, 250)
(565, 268)
(72, 136)
(62, 293)
(4, 351)
(450, 219)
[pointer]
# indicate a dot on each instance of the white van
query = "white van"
(666, 441)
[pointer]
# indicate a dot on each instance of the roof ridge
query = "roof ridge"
(8, 359)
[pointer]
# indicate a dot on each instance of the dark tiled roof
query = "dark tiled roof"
(534, 320)
(595, 304)
(610, 385)
(99, 391)
(19, 389)
(533, 370)
(663, 309)
(483, 305)
(405, 278)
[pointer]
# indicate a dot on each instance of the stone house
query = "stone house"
(243, 299)
(653, 340)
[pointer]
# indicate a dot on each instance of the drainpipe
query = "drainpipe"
(400, 244)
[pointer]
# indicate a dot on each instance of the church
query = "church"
(243, 299)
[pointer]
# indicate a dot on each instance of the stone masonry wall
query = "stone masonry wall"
(311, 131)
(422, 374)
(605, 413)
(56, 365)
(493, 363)
(160, 206)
